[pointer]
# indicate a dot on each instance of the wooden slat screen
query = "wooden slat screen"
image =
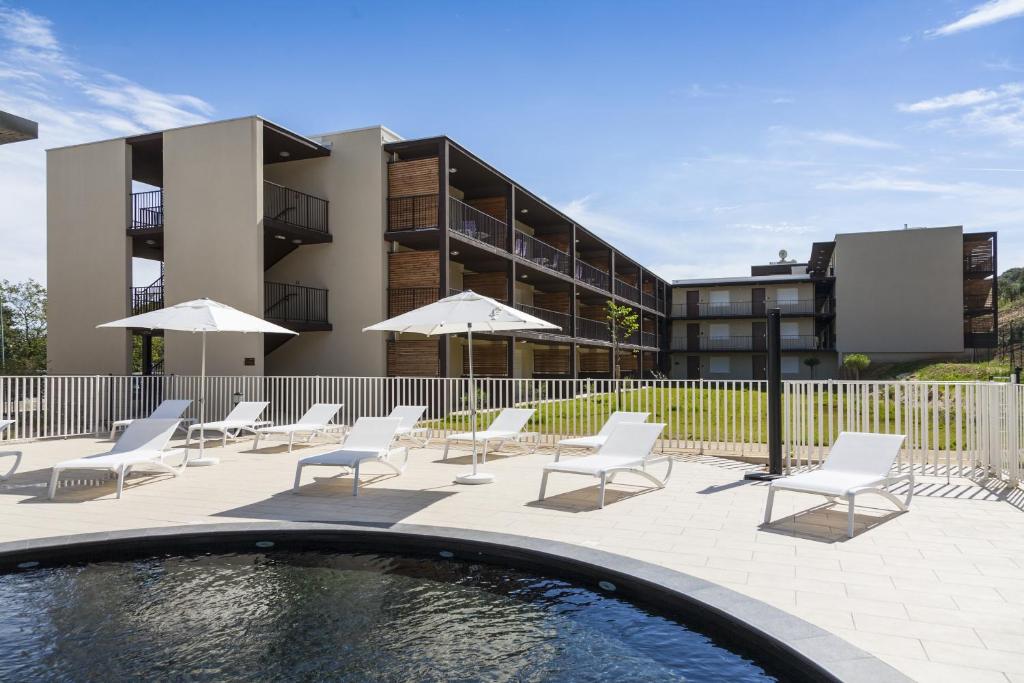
(490, 359)
(552, 301)
(595, 360)
(551, 360)
(414, 269)
(494, 285)
(558, 240)
(414, 358)
(418, 176)
(492, 206)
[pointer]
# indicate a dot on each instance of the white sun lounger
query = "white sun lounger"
(627, 449)
(4, 424)
(410, 415)
(370, 440)
(167, 410)
(858, 463)
(244, 417)
(316, 421)
(141, 447)
(595, 441)
(508, 426)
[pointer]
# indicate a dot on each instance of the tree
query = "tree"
(22, 328)
(857, 362)
(812, 362)
(623, 321)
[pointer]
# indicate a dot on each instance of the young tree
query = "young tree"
(812, 362)
(22, 328)
(857, 362)
(623, 321)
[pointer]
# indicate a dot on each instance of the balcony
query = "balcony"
(649, 339)
(627, 291)
(595, 277)
(592, 329)
(417, 212)
(542, 254)
(808, 342)
(147, 212)
(563, 320)
(295, 213)
(748, 309)
(650, 301)
(295, 306)
(476, 225)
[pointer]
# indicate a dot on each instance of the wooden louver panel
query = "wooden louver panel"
(413, 358)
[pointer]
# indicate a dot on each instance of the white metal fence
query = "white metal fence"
(952, 428)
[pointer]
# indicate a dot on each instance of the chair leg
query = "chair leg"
(112, 430)
(484, 458)
(558, 452)
(768, 506)
(600, 495)
(121, 473)
(355, 479)
(446, 445)
(543, 484)
(849, 518)
(910, 491)
(298, 478)
(291, 440)
(17, 461)
(54, 477)
(256, 441)
(224, 439)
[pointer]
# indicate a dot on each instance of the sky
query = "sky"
(699, 137)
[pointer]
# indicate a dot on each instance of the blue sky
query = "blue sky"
(701, 137)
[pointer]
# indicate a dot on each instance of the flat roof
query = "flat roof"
(750, 279)
(16, 129)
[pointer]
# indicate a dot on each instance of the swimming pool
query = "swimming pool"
(352, 616)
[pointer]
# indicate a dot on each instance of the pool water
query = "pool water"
(339, 617)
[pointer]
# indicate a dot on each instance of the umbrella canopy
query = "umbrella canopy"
(466, 312)
(462, 312)
(200, 315)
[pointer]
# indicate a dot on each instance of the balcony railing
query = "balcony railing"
(650, 301)
(294, 303)
(747, 309)
(554, 317)
(294, 208)
(978, 303)
(149, 298)
(543, 254)
(147, 210)
(649, 339)
(477, 225)
(595, 277)
(808, 342)
(592, 329)
(404, 299)
(627, 291)
(413, 212)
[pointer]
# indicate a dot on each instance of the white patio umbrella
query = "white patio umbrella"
(464, 312)
(199, 315)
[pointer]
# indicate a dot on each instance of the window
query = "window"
(719, 296)
(719, 364)
(789, 295)
(719, 331)
(790, 365)
(790, 330)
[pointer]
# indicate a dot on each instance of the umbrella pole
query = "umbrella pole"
(474, 477)
(202, 459)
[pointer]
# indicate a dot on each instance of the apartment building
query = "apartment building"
(894, 295)
(326, 235)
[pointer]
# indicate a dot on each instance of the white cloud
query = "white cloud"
(73, 103)
(983, 111)
(966, 98)
(777, 228)
(991, 12)
(834, 137)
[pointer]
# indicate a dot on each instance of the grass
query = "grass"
(930, 371)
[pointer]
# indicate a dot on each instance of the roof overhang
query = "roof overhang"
(821, 256)
(281, 144)
(16, 129)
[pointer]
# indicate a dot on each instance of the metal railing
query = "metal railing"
(148, 298)
(587, 328)
(412, 212)
(563, 320)
(147, 210)
(979, 303)
(747, 309)
(649, 300)
(627, 291)
(294, 303)
(649, 339)
(951, 428)
(294, 208)
(477, 225)
(542, 253)
(593, 276)
(404, 299)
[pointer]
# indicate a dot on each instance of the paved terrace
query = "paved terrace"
(938, 592)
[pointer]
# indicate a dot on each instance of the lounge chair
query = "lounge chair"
(857, 463)
(410, 415)
(4, 424)
(507, 426)
(244, 417)
(167, 410)
(597, 440)
(141, 447)
(316, 421)
(627, 449)
(369, 440)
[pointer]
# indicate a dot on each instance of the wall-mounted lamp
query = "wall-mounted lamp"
(284, 154)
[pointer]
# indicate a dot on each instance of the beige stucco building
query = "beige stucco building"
(325, 235)
(894, 295)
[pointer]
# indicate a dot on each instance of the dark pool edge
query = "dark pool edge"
(780, 640)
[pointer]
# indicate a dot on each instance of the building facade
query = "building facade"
(326, 235)
(894, 295)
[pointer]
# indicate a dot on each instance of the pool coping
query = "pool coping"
(778, 639)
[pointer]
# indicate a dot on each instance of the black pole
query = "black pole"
(774, 363)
